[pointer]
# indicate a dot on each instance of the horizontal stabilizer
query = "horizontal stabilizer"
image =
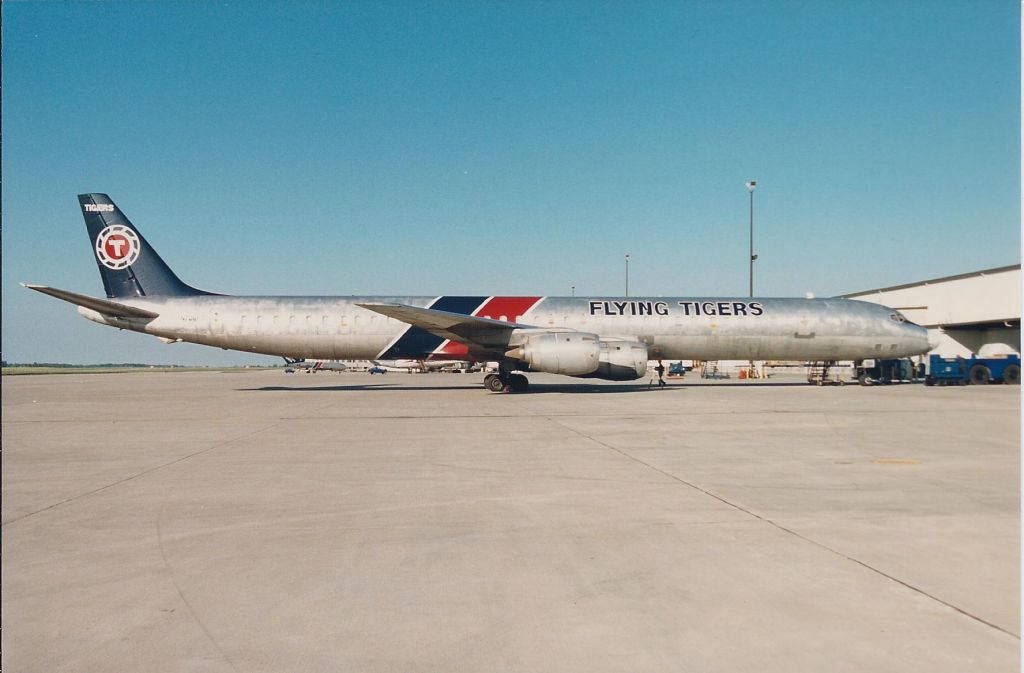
(104, 306)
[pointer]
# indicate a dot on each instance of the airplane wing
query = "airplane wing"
(483, 335)
(430, 319)
(104, 306)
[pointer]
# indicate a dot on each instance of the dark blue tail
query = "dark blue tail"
(128, 265)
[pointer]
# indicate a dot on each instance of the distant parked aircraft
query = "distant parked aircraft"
(599, 337)
(424, 365)
(317, 365)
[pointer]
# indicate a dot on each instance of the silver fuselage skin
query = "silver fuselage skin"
(701, 328)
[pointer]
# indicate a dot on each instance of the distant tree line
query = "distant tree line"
(62, 365)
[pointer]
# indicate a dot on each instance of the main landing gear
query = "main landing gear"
(506, 381)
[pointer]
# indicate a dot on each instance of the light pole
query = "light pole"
(574, 290)
(627, 274)
(751, 186)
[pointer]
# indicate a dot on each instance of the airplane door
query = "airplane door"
(216, 324)
(803, 330)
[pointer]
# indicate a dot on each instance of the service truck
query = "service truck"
(973, 370)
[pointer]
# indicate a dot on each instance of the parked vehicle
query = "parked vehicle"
(973, 370)
(882, 371)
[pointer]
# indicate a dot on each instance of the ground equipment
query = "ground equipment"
(973, 370)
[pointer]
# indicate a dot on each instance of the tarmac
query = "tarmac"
(263, 521)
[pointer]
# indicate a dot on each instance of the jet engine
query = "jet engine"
(622, 360)
(582, 354)
(569, 353)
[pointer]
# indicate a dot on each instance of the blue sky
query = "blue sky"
(503, 148)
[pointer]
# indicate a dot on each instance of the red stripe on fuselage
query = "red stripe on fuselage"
(509, 309)
(452, 350)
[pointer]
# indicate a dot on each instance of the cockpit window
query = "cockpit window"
(898, 317)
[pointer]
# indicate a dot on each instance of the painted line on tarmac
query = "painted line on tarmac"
(785, 529)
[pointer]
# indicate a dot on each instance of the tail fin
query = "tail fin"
(128, 265)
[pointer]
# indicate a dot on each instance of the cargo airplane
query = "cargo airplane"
(597, 337)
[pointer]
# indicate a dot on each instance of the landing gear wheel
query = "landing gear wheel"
(1011, 376)
(517, 383)
(979, 375)
(494, 383)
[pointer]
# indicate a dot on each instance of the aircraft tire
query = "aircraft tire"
(494, 383)
(518, 383)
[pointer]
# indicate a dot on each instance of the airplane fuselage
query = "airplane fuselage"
(703, 328)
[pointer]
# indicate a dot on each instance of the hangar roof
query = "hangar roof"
(959, 276)
(991, 296)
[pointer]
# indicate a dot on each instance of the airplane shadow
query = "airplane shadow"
(302, 389)
(542, 388)
(745, 386)
(535, 388)
(575, 388)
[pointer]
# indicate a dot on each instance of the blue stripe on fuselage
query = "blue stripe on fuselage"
(418, 343)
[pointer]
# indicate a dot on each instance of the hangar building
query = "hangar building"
(969, 313)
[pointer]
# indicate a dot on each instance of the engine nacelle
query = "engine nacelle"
(621, 360)
(582, 354)
(568, 353)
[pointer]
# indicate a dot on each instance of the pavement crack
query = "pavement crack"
(784, 529)
(137, 475)
(181, 594)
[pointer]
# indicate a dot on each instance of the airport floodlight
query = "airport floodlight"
(750, 188)
(627, 274)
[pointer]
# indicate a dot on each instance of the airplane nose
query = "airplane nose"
(926, 337)
(921, 338)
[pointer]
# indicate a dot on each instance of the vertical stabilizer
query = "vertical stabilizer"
(128, 265)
